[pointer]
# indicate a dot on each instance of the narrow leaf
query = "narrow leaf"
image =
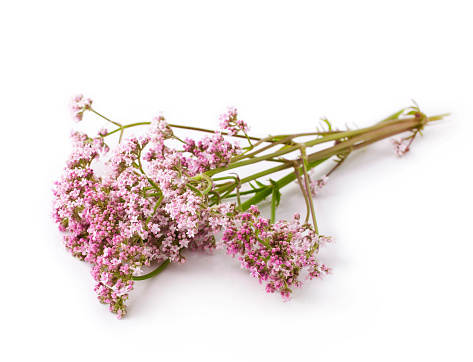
(260, 184)
(394, 115)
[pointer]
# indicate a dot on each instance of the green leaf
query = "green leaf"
(394, 115)
(276, 192)
(260, 184)
(286, 146)
(275, 197)
(326, 121)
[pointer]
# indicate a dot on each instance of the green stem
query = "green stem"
(303, 190)
(207, 179)
(156, 271)
(402, 125)
(175, 126)
(264, 173)
(264, 243)
(210, 131)
(248, 192)
(305, 167)
(128, 126)
(286, 180)
(273, 205)
(158, 204)
(109, 120)
(339, 162)
(195, 189)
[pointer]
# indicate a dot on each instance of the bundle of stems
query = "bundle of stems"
(340, 144)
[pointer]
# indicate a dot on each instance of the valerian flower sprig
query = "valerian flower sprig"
(275, 252)
(155, 201)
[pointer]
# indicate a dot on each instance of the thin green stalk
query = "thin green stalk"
(238, 197)
(217, 196)
(305, 167)
(155, 272)
(195, 189)
(284, 181)
(207, 179)
(248, 192)
(226, 187)
(210, 131)
(263, 242)
(273, 205)
(175, 126)
(109, 120)
(303, 190)
(339, 162)
(264, 173)
(128, 126)
(158, 204)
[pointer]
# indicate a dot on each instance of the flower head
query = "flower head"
(229, 121)
(400, 148)
(78, 105)
(132, 217)
(275, 253)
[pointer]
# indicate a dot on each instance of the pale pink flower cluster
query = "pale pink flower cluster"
(132, 218)
(127, 154)
(400, 148)
(158, 132)
(79, 139)
(229, 121)
(316, 185)
(275, 253)
(210, 152)
(78, 105)
(159, 129)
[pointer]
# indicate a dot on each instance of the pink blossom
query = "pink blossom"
(274, 253)
(133, 217)
(316, 185)
(78, 105)
(209, 153)
(400, 148)
(229, 121)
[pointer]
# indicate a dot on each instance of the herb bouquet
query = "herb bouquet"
(154, 201)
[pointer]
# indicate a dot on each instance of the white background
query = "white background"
(401, 288)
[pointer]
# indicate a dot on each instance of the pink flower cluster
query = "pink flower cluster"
(158, 132)
(400, 148)
(78, 105)
(80, 139)
(210, 152)
(275, 253)
(132, 217)
(229, 121)
(316, 185)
